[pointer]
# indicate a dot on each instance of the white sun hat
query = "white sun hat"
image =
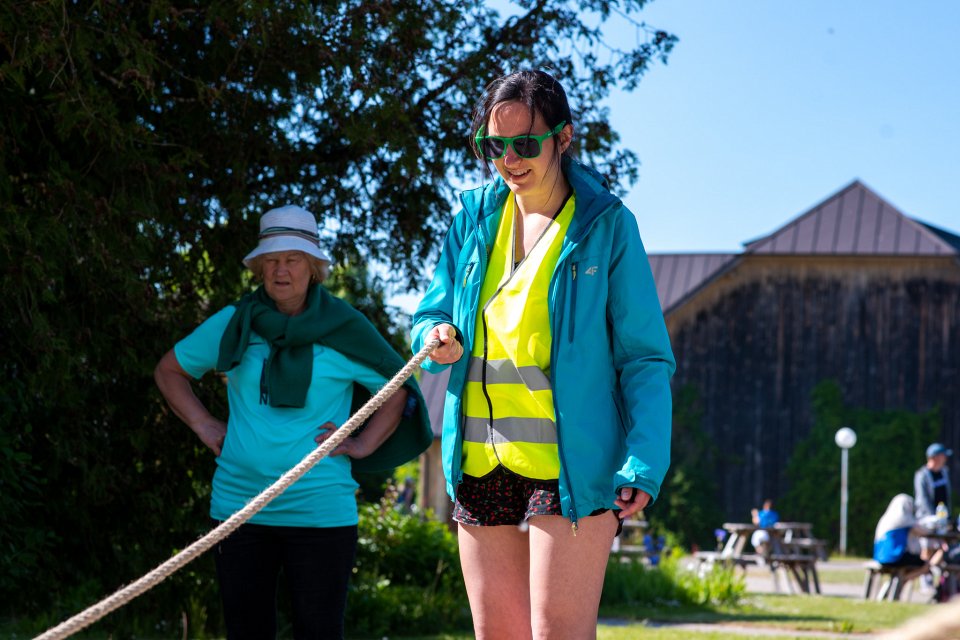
(289, 228)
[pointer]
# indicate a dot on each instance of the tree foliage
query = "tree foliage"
(139, 144)
(890, 446)
(688, 505)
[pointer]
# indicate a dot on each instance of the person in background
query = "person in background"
(931, 487)
(558, 409)
(896, 541)
(654, 545)
(764, 518)
(291, 353)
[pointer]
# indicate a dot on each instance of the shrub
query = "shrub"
(688, 505)
(634, 584)
(720, 586)
(889, 449)
(407, 577)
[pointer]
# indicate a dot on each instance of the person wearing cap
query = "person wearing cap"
(931, 486)
(293, 356)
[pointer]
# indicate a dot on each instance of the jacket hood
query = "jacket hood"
(899, 515)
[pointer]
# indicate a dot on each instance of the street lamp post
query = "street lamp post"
(845, 439)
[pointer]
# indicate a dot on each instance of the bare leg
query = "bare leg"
(566, 574)
(931, 565)
(496, 570)
(937, 557)
(915, 573)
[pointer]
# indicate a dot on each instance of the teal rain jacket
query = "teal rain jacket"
(611, 360)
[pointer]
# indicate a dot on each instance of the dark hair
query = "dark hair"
(538, 90)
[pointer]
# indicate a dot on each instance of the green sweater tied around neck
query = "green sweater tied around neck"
(288, 370)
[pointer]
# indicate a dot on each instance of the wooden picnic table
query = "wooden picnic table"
(797, 529)
(798, 559)
(798, 538)
(951, 536)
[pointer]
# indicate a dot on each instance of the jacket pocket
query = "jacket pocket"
(467, 270)
(462, 282)
(573, 302)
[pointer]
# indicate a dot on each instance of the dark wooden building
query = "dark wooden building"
(852, 290)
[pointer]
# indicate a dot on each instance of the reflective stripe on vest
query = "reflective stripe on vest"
(508, 397)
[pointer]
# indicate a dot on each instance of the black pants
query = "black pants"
(316, 563)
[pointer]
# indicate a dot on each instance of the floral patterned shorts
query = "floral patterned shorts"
(503, 497)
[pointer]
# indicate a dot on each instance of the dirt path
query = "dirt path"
(749, 630)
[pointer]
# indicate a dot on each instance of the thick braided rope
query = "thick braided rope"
(165, 570)
(941, 623)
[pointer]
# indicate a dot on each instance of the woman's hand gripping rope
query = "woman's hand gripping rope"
(156, 576)
(450, 350)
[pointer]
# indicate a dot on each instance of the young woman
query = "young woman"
(558, 411)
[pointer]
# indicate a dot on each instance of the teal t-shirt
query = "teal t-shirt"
(264, 442)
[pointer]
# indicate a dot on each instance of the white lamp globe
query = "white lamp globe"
(845, 438)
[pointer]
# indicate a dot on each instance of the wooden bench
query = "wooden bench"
(892, 588)
(706, 560)
(811, 546)
(803, 566)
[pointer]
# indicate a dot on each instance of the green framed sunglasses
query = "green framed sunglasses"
(525, 146)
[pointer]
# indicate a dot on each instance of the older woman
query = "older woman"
(292, 354)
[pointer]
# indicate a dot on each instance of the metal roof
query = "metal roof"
(854, 221)
(679, 274)
(951, 239)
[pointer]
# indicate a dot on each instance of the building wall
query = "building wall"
(756, 341)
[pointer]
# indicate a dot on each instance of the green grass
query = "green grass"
(624, 633)
(638, 632)
(841, 576)
(671, 620)
(784, 613)
(817, 613)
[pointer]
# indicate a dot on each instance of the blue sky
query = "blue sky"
(766, 107)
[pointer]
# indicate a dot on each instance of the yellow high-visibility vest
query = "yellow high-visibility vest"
(508, 398)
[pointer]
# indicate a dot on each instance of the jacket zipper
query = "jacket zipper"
(574, 520)
(573, 303)
(572, 514)
(467, 274)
